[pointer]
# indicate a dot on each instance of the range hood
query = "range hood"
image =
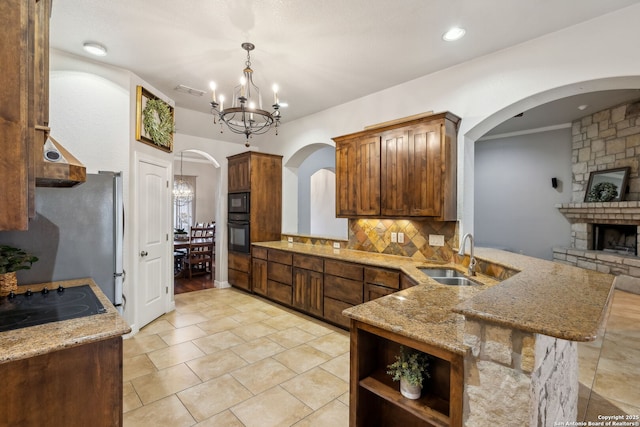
(55, 166)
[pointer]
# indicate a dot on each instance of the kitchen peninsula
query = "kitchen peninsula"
(503, 352)
(67, 372)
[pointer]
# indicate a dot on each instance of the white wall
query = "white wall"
(514, 199)
(323, 221)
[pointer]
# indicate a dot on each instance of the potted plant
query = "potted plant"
(410, 368)
(180, 234)
(11, 260)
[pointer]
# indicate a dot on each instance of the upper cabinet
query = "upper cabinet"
(405, 169)
(17, 118)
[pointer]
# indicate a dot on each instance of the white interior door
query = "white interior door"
(153, 222)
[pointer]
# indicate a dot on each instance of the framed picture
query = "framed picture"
(154, 120)
(608, 185)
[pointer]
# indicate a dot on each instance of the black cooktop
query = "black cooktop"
(49, 305)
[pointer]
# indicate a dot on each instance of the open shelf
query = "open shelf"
(423, 408)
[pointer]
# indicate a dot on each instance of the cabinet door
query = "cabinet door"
(412, 167)
(308, 292)
(259, 276)
(372, 292)
(358, 177)
(239, 173)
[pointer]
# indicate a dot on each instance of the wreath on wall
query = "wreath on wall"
(158, 122)
(602, 192)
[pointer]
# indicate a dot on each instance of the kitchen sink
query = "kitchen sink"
(448, 276)
(441, 272)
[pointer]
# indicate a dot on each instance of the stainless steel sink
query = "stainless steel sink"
(455, 281)
(448, 276)
(441, 272)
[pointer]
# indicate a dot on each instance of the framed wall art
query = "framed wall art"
(154, 120)
(609, 185)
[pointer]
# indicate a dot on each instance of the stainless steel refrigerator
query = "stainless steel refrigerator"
(77, 232)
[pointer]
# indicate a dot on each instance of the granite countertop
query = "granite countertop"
(544, 297)
(36, 340)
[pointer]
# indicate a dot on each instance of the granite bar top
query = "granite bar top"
(544, 297)
(41, 339)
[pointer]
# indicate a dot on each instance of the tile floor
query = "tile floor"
(226, 358)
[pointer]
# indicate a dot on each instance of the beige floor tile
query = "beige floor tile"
(191, 307)
(216, 364)
(273, 310)
(155, 327)
(339, 367)
(254, 330)
(223, 419)
(263, 375)
(618, 381)
(257, 349)
(282, 321)
(143, 344)
(291, 337)
(214, 396)
(180, 320)
(218, 325)
(598, 406)
(334, 414)
(344, 398)
(137, 366)
(249, 306)
(166, 412)
(180, 335)
(248, 317)
(301, 358)
(175, 354)
(316, 387)
(314, 328)
(219, 341)
(130, 399)
(272, 408)
(334, 344)
(160, 384)
(219, 312)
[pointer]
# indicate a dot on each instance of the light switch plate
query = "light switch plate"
(290, 239)
(400, 237)
(336, 245)
(436, 240)
(394, 237)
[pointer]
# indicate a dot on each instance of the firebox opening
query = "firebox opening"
(621, 239)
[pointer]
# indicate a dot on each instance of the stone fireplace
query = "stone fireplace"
(604, 235)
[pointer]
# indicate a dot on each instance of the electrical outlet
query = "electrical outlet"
(436, 240)
(336, 245)
(290, 239)
(400, 237)
(394, 237)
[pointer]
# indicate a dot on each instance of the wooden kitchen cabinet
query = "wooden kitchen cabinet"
(308, 284)
(280, 276)
(379, 282)
(376, 400)
(239, 173)
(343, 288)
(408, 168)
(17, 113)
(239, 270)
(259, 270)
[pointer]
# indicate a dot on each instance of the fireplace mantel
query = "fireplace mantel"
(601, 212)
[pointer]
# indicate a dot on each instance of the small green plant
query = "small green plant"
(412, 366)
(14, 259)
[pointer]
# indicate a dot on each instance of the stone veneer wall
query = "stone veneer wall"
(605, 140)
(518, 378)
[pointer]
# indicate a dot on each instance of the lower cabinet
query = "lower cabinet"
(375, 398)
(73, 387)
(279, 276)
(308, 284)
(380, 282)
(239, 270)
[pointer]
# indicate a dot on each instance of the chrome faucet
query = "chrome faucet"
(472, 259)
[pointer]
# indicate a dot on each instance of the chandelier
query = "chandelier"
(246, 115)
(182, 190)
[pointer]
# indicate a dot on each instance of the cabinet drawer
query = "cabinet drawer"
(257, 252)
(372, 292)
(343, 269)
(280, 256)
(406, 282)
(381, 277)
(279, 292)
(239, 279)
(279, 272)
(333, 312)
(240, 262)
(308, 262)
(342, 289)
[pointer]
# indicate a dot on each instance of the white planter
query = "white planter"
(410, 391)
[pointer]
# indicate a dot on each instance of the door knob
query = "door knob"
(144, 253)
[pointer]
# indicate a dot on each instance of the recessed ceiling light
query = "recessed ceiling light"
(582, 107)
(455, 33)
(95, 48)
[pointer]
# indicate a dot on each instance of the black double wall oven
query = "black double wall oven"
(239, 226)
